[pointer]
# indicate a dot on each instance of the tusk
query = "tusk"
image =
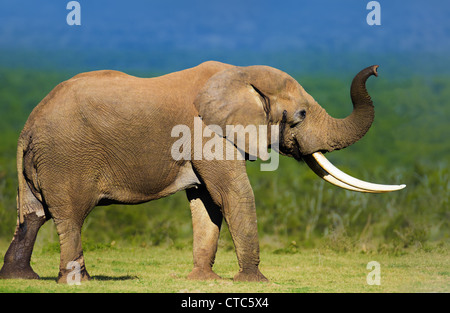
(324, 169)
(327, 177)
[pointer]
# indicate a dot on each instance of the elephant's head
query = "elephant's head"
(261, 95)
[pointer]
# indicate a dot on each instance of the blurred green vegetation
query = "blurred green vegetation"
(408, 143)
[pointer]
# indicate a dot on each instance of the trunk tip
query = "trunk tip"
(374, 70)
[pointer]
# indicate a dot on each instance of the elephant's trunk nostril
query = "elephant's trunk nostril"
(375, 68)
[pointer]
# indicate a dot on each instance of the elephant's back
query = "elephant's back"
(105, 129)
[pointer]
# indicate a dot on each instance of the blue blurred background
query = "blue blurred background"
(167, 35)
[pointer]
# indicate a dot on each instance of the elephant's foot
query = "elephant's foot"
(199, 273)
(14, 271)
(250, 276)
(71, 277)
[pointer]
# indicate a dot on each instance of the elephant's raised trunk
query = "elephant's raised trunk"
(342, 133)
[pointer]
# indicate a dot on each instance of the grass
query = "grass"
(164, 269)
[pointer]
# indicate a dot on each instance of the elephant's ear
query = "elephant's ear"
(231, 100)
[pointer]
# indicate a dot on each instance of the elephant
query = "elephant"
(104, 137)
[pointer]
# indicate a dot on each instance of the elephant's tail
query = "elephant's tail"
(22, 145)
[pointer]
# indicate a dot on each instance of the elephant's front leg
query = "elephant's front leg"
(229, 187)
(240, 215)
(206, 222)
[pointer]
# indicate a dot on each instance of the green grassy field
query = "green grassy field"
(164, 269)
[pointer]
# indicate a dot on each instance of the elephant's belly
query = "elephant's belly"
(186, 178)
(147, 187)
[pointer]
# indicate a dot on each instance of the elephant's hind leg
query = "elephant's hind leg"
(17, 258)
(206, 222)
(69, 217)
(72, 266)
(68, 225)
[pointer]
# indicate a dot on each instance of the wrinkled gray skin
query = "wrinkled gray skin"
(105, 137)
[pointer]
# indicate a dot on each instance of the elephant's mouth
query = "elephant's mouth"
(327, 171)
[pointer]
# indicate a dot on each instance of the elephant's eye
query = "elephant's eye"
(302, 114)
(299, 116)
